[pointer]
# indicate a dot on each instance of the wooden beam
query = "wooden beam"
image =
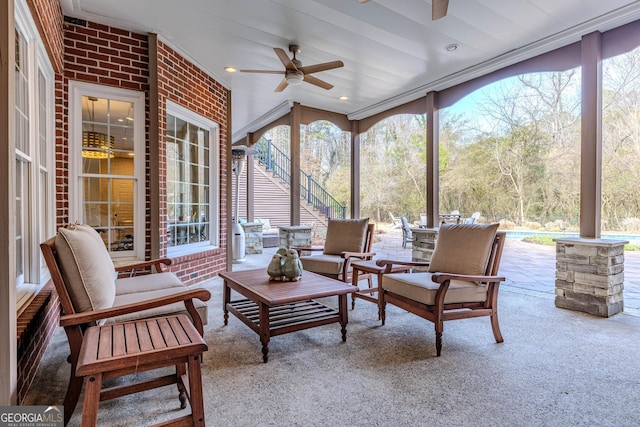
(295, 164)
(227, 173)
(250, 183)
(355, 170)
(433, 159)
(591, 143)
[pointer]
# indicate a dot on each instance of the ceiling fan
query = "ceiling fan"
(295, 73)
(438, 8)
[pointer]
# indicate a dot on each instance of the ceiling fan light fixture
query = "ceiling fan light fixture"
(294, 79)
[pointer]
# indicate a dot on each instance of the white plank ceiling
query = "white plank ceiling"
(392, 51)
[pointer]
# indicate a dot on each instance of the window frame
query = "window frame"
(191, 117)
(38, 219)
(76, 91)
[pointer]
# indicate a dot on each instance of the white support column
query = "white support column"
(8, 344)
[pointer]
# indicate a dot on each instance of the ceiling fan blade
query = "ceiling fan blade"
(284, 58)
(283, 84)
(317, 82)
(321, 67)
(262, 71)
(439, 9)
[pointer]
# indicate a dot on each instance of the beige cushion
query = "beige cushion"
(86, 267)
(345, 235)
(165, 310)
(148, 282)
(420, 287)
(324, 264)
(463, 248)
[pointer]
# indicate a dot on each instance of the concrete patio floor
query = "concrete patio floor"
(529, 268)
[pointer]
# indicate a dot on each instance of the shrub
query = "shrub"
(631, 224)
(506, 225)
(532, 225)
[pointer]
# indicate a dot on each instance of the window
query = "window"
(192, 183)
(34, 146)
(108, 165)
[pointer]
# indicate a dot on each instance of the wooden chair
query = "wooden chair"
(461, 281)
(85, 279)
(347, 240)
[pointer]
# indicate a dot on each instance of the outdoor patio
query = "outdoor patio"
(529, 268)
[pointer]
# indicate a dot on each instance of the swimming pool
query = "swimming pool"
(519, 234)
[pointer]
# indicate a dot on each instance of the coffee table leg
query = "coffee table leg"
(226, 291)
(265, 335)
(344, 314)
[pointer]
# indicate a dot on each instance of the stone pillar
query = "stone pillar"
(424, 242)
(590, 275)
(295, 235)
(252, 237)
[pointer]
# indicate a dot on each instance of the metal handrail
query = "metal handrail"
(276, 161)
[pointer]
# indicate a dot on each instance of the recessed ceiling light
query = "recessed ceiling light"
(344, 98)
(451, 47)
(230, 70)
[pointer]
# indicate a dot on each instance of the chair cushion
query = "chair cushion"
(323, 264)
(86, 267)
(420, 287)
(346, 235)
(148, 282)
(463, 248)
(165, 310)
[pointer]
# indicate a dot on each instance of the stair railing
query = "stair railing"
(276, 161)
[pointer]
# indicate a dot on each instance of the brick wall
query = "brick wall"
(99, 54)
(184, 83)
(103, 55)
(36, 324)
(47, 15)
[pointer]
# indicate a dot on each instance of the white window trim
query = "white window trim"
(38, 61)
(183, 113)
(76, 91)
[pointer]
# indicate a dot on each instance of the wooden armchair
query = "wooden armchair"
(461, 281)
(348, 240)
(90, 293)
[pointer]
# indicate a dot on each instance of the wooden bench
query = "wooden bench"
(120, 349)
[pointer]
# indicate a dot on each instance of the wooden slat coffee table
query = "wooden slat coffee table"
(276, 308)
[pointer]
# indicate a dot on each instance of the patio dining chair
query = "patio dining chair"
(407, 235)
(91, 293)
(461, 281)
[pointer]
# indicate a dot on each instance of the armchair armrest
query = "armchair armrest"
(441, 277)
(105, 313)
(388, 264)
(347, 254)
(158, 264)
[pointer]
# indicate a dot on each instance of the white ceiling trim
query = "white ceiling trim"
(614, 19)
(182, 52)
(263, 120)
